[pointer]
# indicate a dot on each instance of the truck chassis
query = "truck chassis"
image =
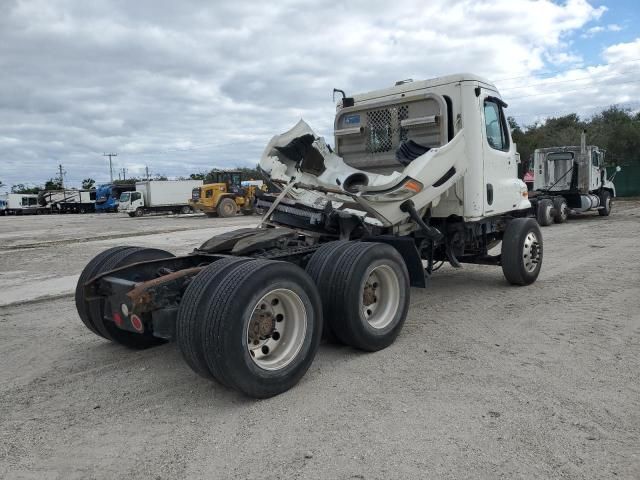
(343, 277)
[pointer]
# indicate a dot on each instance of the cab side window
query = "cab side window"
(595, 161)
(209, 194)
(496, 126)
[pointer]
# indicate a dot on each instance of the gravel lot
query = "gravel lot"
(485, 381)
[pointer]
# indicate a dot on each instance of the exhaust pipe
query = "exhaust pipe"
(583, 142)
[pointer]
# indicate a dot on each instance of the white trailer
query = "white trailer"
(69, 201)
(159, 196)
(19, 204)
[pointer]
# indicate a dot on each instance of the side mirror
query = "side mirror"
(618, 168)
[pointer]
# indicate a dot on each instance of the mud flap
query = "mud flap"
(407, 248)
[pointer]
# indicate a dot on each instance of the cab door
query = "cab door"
(596, 166)
(502, 189)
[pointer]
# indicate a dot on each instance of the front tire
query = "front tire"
(139, 212)
(521, 256)
(185, 210)
(227, 208)
(365, 292)
(605, 200)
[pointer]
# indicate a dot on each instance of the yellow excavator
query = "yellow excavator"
(225, 195)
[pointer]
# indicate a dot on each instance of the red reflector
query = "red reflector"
(137, 323)
(117, 319)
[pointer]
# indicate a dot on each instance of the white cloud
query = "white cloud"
(186, 86)
(582, 90)
(590, 32)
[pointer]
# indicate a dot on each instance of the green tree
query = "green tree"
(88, 183)
(22, 188)
(53, 184)
(615, 129)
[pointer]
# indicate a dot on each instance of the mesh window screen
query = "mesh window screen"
(383, 129)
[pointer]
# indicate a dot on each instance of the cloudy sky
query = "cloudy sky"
(185, 86)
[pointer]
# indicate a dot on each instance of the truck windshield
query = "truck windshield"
(124, 197)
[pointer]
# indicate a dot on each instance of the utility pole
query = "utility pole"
(124, 173)
(61, 176)
(110, 163)
(146, 168)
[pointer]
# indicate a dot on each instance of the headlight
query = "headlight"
(405, 190)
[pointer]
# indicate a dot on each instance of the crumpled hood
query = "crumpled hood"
(301, 153)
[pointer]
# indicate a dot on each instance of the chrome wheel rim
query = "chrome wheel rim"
(277, 329)
(531, 251)
(380, 296)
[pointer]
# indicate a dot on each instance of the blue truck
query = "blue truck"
(107, 196)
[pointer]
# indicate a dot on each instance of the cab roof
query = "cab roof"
(425, 84)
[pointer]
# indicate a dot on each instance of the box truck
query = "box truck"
(19, 203)
(159, 196)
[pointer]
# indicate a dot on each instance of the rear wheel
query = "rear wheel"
(543, 215)
(226, 208)
(92, 314)
(605, 201)
(562, 210)
(260, 326)
(364, 288)
(191, 310)
(521, 256)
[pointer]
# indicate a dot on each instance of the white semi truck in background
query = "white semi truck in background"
(569, 180)
(153, 196)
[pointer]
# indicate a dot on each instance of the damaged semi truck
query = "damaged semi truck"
(422, 173)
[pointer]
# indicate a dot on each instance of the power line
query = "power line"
(550, 72)
(544, 84)
(569, 91)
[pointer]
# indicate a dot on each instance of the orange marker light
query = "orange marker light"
(413, 185)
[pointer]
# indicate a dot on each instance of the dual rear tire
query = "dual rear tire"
(255, 325)
(365, 292)
(92, 313)
(252, 325)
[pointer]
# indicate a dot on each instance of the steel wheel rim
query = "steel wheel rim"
(228, 208)
(380, 296)
(277, 329)
(531, 252)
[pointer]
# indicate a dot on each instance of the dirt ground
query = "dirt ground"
(485, 381)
